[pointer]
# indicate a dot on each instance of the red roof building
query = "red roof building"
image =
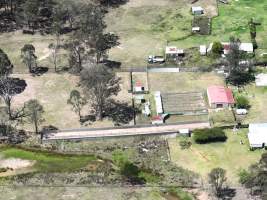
(220, 97)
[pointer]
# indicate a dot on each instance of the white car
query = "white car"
(156, 59)
(241, 111)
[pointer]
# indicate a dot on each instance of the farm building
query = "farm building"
(220, 97)
(158, 101)
(197, 10)
(172, 53)
(257, 135)
(203, 50)
(261, 80)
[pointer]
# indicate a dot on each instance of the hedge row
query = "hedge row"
(202, 136)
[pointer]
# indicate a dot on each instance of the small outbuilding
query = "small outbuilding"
(257, 135)
(197, 10)
(195, 29)
(203, 50)
(172, 53)
(261, 80)
(158, 102)
(220, 97)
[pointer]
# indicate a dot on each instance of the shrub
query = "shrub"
(242, 102)
(244, 176)
(185, 144)
(202, 136)
(217, 48)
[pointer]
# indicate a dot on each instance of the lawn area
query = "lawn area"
(257, 97)
(48, 162)
(53, 90)
(145, 27)
(183, 82)
(12, 43)
(230, 155)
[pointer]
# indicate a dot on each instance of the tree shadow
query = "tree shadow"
(119, 112)
(87, 119)
(113, 3)
(38, 71)
(112, 64)
(227, 193)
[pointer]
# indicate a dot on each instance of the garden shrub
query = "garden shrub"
(185, 144)
(202, 136)
(242, 102)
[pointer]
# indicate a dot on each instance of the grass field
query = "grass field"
(230, 155)
(48, 162)
(52, 90)
(257, 97)
(145, 27)
(183, 82)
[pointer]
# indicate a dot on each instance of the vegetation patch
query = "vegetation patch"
(202, 136)
(49, 162)
(204, 24)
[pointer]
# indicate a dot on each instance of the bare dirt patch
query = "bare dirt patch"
(15, 163)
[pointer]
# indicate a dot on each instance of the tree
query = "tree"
(58, 20)
(34, 112)
(99, 84)
(30, 12)
(29, 57)
(217, 177)
(256, 178)
(9, 87)
(242, 102)
(217, 48)
(239, 65)
(104, 43)
(77, 101)
(5, 64)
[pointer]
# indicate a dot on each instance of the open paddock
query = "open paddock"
(183, 82)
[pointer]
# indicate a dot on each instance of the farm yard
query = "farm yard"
(145, 28)
(230, 155)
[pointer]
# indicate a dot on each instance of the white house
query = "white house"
(197, 10)
(246, 47)
(257, 135)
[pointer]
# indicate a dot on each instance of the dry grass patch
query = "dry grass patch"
(183, 82)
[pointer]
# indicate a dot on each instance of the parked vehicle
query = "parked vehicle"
(156, 59)
(241, 111)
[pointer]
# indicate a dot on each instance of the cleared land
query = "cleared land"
(52, 90)
(183, 82)
(145, 27)
(230, 155)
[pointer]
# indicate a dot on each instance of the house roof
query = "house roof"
(220, 94)
(257, 134)
(203, 48)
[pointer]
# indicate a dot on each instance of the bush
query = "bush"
(242, 102)
(244, 176)
(217, 48)
(185, 144)
(202, 136)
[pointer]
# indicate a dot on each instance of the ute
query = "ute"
(156, 59)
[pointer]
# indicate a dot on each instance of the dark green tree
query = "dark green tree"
(34, 112)
(99, 84)
(77, 101)
(217, 178)
(29, 57)
(5, 64)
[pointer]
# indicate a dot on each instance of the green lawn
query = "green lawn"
(230, 155)
(49, 162)
(145, 27)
